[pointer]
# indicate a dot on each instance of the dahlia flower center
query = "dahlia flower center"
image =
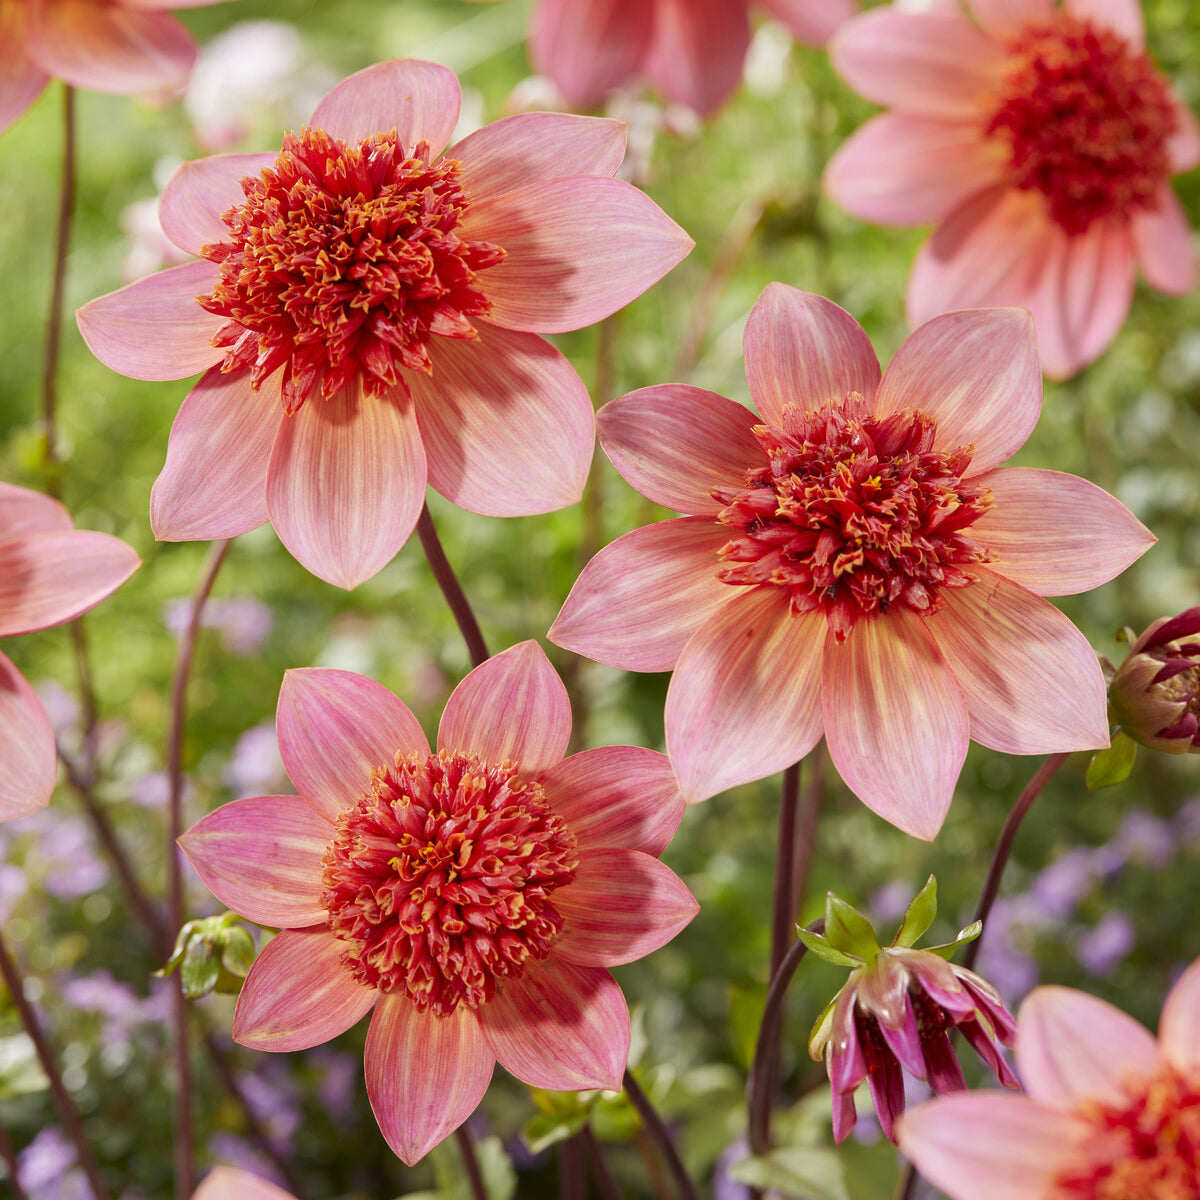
(342, 262)
(1085, 118)
(853, 515)
(438, 881)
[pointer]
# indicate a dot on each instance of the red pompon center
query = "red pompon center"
(342, 263)
(438, 881)
(1086, 118)
(853, 515)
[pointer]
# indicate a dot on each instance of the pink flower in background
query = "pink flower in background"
(1109, 1111)
(1041, 140)
(229, 1183)
(473, 896)
(856, 564)
(50, 573)
(365, 311)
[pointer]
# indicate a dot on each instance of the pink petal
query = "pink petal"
(26, 746)
(675, 443)
(334, 728)
(23, 510)
(154, 329)
(895, 721)
(512, 707)
(1162, 245)
(261, 857)
(621, 906)
(199, 192)
(744, 701)
(1073, 1048)
(298, 994)
(1179, 1025)
(1043, 529)
(21, 79)
(419, 100)
(636, 604)
(214, 482)
(1121, 16)
(346, 483)
(1003, 18)
(802, 349)
(1183, 146)
(560, 1026)
(813, 22)
(49, 578)
(697, 51)
(617, 797)
(1031, 680)
(507, 423)
(230, 1183)
(977, 373)
(425, 1074)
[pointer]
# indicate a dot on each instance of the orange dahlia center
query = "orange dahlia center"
(438, 881)
(853, 515)
(342, 262)
(1085, 118)
(1148, 1149)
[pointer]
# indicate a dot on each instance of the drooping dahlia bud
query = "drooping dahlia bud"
(896, 1010)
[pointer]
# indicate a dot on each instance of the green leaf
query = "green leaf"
(543, 1131)
(820, 946)
(1112, 766)
(499, 1178)
(20, 1071)
(814, 1173)
(920, 915)
(847, 929)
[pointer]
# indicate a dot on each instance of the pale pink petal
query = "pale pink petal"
(199, 192)
(1044, 527)
(346, 483)
(1031, 681)
(261, 857)
(1003, 18)
(21, 79)
(1121, 16)
(507, 423)
(1163, 247)
(1183, 146)
(895, 720)
(49, 578)
(1073, 1048)
(419, 100)
(26, 746)
(560, 1026)
(231, 1183)
(697, 51)
(802, 349)
(813, 22)
(154, 329)
(298, 994)
(1179, 1024)
(334, 728)
(425, 1074)
(23, 510)
(744, 701)
(514, 707)
(977, 374)
(675, 443)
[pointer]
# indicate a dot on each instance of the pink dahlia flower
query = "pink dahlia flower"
(1110, 1112)
(1040, 139)
(365, 310)
(231, 1183)
(473, 896)
(50, 573)
(857, 564)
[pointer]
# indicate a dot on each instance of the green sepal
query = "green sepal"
(969, 934)
(920, 915)
(200, 969)
(820, 946)
(1112, 766)
(846, 929)
(211, 954)
(822, 1028)
(811, 1171)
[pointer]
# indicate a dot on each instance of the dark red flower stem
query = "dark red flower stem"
(470, 1161)
(595, 1153)
(456, 598)
(10, 1161)
(572, 1179)
(661, 1136)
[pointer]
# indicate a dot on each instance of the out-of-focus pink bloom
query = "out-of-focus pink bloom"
(50, 573)
(1109, 1111)
(856, 564)
(1041, 140)
(230, 1183)
(368, 317)
(473, 896)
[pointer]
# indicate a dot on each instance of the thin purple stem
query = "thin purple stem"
(456, 598)
(470, 1161)
(10, 1161)
(572, 1179)
(661, 1136)
(603, 1176)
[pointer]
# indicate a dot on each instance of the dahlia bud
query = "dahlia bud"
(895, 1011)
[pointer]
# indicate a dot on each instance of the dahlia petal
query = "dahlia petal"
(425, 1074)
(977, 374)
(744, 701)
(980, 1041)
(513, 707)
(812, 23)
(845, 1116)
(886, 1082)
(576, 250)
(1003, 18)
(621, 906)
(675, 443)
(419, 100)
(21, 79)
(942, 1068)
(153, 328)
(895, 721)
(334, 728)
(1074, 1048)
(231, 1183)
(1043, 528)
(26, 746)
(507, 423)
(1123, 17)
(846, 1063)
(1162, 245)
(1183, 146)
(638, 601)
(904, 1041)
(49, 578)
(214, 482)
(198, 193)
(697, 51)
(560, 1026)
(261, 857)
(23, 511)
(1178, 1026)
(298, 994)
(346, 483)
(803, 349)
